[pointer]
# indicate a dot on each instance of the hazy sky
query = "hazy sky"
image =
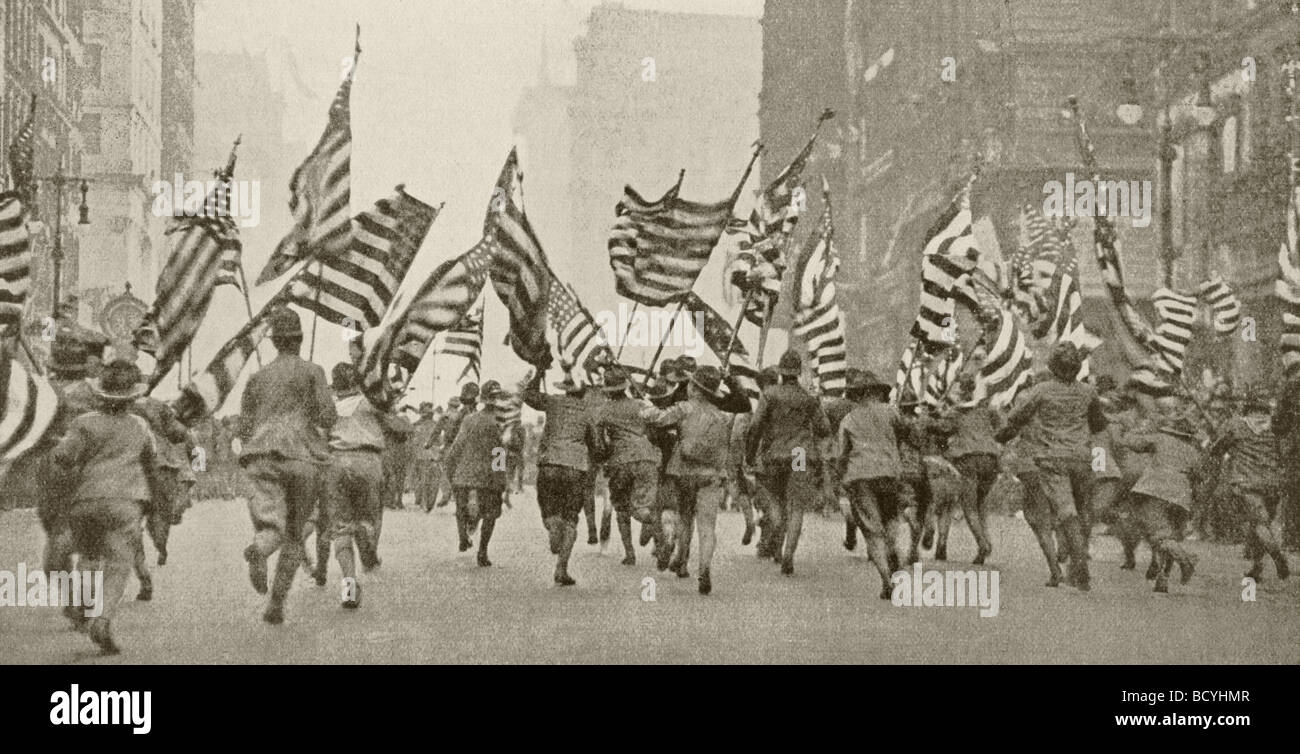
(435, 89)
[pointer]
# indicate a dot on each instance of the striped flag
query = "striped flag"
(519, 272)
(1034, 263)
(1008, 367)
(320, 193)
(658, 248)
(229, 273)
(952, 233)
(391, 352)
(15, 258)
(909, 381)
(28, 404)
(464, 340)
(1175, 316)
(761, 261)
(581, 340)
(208, 390)
(1225, 307)
(22, 158)
(942, 376)
(717, 335)
(1287, 289)
(818, 319)
(355, 288)
(199, 244)
(936, 324)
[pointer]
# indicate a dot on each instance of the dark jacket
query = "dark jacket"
(112, 456)
(1170, 475)
(868, 440)
(285, 406)
(570, 436)
(473, 454)
(971, 430)
(1056, 420)
(624, 434)
(787, 418)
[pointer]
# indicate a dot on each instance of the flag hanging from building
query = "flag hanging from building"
(28, 404)
(354, 289)
(15, 258)
(320, 193)
(717, 334)
(658, 248)
(818, 319)
(464, 340)
(582, 342)
(199, 246)
(389, 354)
(519, 272)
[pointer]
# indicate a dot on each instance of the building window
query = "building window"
(90, 127)
(94, 64)
(1228, 144)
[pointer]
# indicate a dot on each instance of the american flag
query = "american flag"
(230, 272)
(1225, 307)
(22, 158)
(1008, 366)
(818, 319)
(390, 353)
(581, 340)
(519, 271)
(320, 193)
(949, 253)
(658, 248)
(1063, 319)
(208, 390)
(465, 340)
(199, 245)
(768, 233)
(1034, 263)
(28, 405)
(15, 258)
(1287, 289)
(355, 288)
(1175, 317)
(717, 335)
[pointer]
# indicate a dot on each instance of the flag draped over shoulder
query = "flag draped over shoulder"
(519, 272)
(199, 245)
(717, 334)
(390, 353)
(15, 258)
(355, 288)
(320, 193)
(28, 405)
(465, 340)
(818, 319)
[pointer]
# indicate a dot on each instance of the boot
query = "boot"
(749, 534)
(1162, 575)
(1186, 566)
(604, 529)
(1153, 569)
(706, 582)
(101, 632)
(1279, 561)
(1079, 577)
(850, 534)
(462, 531)
(485, 536)
(257, 571)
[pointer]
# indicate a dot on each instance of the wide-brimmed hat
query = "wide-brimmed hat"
(861, 381)
(120, 382)
(709, 380)
(454, 402)
(687, 364)
(671, 371)
(790, 365)
(768, 376)
(285, 323)
(616, 380)
(491, 391)
(68, 358)
(469, 392)
(1065, 361)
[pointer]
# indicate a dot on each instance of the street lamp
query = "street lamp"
(59, 180)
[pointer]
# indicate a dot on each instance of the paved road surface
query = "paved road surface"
(429, 604)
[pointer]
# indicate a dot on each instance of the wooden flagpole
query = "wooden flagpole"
(320, 277)
(248, 303)
(663, 339)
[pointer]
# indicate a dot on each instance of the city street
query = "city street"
(429, 604)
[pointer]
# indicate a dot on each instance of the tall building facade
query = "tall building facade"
(921, 87)
(654, 93)
(42, 54)
(178, 86)
(122, 127)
